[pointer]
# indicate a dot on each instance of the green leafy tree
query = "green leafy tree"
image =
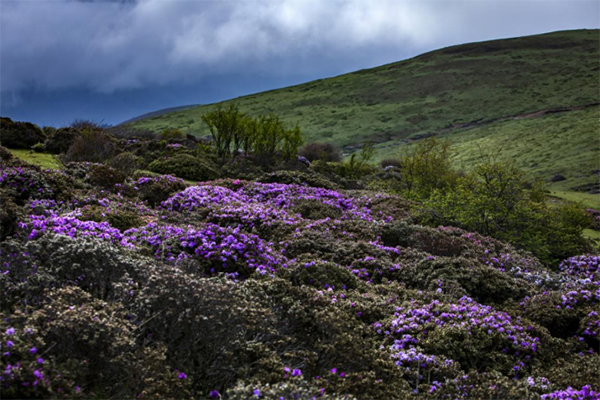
(497, 200)
(265, 136)
(426, 167)
(226, 127)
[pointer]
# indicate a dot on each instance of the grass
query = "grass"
(44, 160)
(436, 92)
(428, 93)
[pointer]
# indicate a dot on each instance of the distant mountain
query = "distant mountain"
(158, 113)
(502, 92)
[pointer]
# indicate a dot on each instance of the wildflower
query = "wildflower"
(214, 394)
(182, 375)
(296, 372)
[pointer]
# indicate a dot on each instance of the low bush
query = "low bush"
(320, 151)
(61, 140)
(19, 135)
(157, 189)
(78, 346)
(92, 146)
(297, 177)
(5, 154)
(125, 162)
(105, 176)
(185, 166)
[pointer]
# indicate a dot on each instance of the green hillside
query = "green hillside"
(485, 93)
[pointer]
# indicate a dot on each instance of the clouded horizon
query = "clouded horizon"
(112, 60)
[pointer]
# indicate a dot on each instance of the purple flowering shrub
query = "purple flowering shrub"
(157, 189)
(24, 182)
(82, 346)
(240, 289)
(474, 335)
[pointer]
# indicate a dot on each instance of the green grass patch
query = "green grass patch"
(585, 199)
(44, 160)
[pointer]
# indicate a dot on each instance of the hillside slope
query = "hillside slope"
(430, 92)
(493, 92)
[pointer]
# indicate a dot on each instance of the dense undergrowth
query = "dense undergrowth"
(290, 282)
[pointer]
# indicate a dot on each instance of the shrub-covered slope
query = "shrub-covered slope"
(237, 289)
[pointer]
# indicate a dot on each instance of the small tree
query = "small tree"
(265, 136)
(426, 167)
(497, 200)
(227, 128)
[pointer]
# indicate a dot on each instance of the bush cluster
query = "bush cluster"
(185, 166)
(19, 135)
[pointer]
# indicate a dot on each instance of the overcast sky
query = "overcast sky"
(112, 60)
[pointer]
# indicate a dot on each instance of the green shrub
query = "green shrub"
(19, 135)
(498, 201)
(426, 168)
(157, 189)
(171, 133)
(5, 154)
(119, 218)
(297, 177)
(104, 176)
(61, 140)
(125, 162)
(92, 146)
(185, 166)
(320, 151)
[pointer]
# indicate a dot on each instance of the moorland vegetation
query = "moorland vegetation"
(250, 266)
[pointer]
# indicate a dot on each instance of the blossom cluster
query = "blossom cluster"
(414, 323)
(584, 393)
(582, 267)
(271, 196)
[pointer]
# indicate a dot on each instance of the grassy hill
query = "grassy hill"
(492, 93)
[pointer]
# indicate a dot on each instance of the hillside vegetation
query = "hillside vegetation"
(490, 93)
(249, 266)
(430, 92)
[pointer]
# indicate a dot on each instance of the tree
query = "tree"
(497, 200)
(226, 128)
(426, 167)
(265, 136)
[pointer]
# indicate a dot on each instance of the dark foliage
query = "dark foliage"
(185, 166)
(19, 135)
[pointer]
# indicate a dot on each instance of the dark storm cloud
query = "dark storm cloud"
(108, 46)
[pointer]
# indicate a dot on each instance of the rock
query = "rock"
(557, 178)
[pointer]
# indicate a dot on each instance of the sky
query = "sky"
(111, 60)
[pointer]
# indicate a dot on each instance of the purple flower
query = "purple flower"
(40, 360)
(182, 375)
(33, 350)
(256, 392)
(333, 370)
(9, 344)
(10, 331)
(296, 372)
(38, 374)
(214, 394)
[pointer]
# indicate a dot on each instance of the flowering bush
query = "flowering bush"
(239, 289)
